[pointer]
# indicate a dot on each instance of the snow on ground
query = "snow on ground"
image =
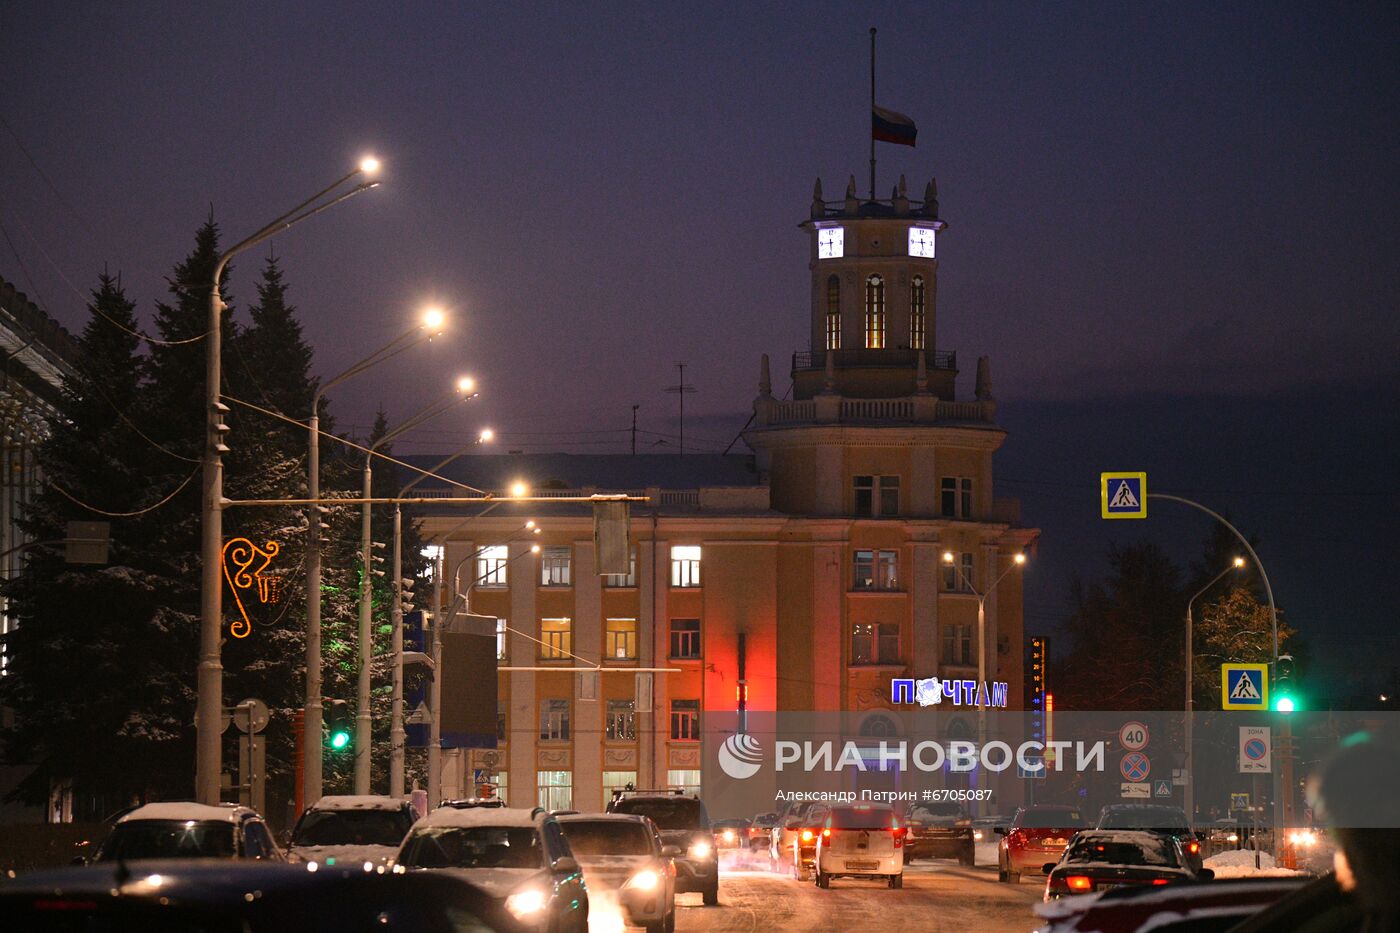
(986, 853)
(1239, 863)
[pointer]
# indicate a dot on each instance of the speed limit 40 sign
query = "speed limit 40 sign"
(1133, 736)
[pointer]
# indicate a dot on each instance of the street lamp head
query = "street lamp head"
(434, 319)
(948, 557)
(487, 436)
(1239, 562)
(1020, 558)
(534, 549)
(518, 489)
(466, 385)
(370, 166)
(530, 523)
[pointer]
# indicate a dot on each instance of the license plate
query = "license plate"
(857, 865)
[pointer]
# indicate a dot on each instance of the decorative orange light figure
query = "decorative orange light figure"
(242, 555)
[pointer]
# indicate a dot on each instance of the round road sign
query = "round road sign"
(1133, 736)
(1135, 766)
(1255, 749)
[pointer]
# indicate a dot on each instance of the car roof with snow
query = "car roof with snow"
(359, 802)
(604, 818)
(188, 810)
(480, 816)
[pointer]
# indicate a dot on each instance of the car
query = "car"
(939, 830)
(862, 840)
(761, 830)
(1157, 818)
(1103, 859)
(1037, 834)
(1175, 908)
(625, 854)
(354, 829)
(466, 803)
(520, 857)
(984, 828)
(795, 817)
(685, 824)
(802, 852)
(220, 896)
(185, 830)
(730, 834)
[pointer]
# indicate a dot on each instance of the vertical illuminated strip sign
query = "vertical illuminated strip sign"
(1036, 685)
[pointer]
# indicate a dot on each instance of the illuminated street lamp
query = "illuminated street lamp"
(463, 391)
(209, 702)
(431, 323)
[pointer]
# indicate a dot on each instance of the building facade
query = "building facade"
(804, 577)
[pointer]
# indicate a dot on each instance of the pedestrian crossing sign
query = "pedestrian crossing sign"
(1123, 495)
(1244, 686)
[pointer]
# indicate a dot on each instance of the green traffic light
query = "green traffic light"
(1284, 704)
(340, 739)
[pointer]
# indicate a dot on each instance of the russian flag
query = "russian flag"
(886, 126)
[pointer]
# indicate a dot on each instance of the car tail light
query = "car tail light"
(1160, 881)
(899, 837)
(1015, 838)
(1079, 883)
(826, 834)
(807, 835)
(1193, 847)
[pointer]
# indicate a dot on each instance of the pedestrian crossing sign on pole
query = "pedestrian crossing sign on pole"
(1123, 495)
(1244, 686)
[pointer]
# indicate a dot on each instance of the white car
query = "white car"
(351, 830)
(624, 853)
(189, 830)
(861, 841)
(519, 857)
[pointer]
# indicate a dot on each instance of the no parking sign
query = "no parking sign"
(1256, 750)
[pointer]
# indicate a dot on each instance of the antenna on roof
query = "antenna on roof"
(681, 389)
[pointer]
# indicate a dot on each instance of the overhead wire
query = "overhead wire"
(92, 508)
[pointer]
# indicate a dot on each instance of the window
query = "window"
(556, 789)
(876, 570)
(687, 780)
(833, 313)
(503, 786)
(617, 780)
(876, 496)
(554, 720)
(874, 313)
(618, 580)
(620, 723)
(685, 638)
(620, 640)
(957, 644)
(557, 637)
(916, 313)
(491, 565)
(685, 720)
(685, 565)
(957, 497)
(500, 639)
(959, 582)
(501, 725)
(875, 643)
(554, 566)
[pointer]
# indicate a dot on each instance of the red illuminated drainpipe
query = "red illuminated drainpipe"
(742, 688)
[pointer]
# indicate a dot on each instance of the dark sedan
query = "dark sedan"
(1155, 818)
(243, 897)
(1100, 860)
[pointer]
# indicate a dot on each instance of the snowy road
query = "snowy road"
(936, 896)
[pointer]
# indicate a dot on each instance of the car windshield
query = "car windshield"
(861, 818)
(665, 812)
(1040, 818)
(1148, 851)
(472, 847)
(1164, 819)
(168, 839)
(607, 837)
(352, 828)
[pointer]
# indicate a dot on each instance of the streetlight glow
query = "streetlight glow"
(518, 489)
(1239, 562)
(534, 549)
(434, 319)
(1020, 558)
(370, 166)
(948, 557)
(466, 385)
(487, 435)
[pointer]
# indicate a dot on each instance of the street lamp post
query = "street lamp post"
(312, 781)
(363, 719)
(1017, 561)
(210, 675)
(397, 737)
(1189, 796)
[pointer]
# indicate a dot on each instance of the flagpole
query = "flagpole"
(872, 113)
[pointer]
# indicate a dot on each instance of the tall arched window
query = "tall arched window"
(833, 313)
(874, 313)
(916, 313)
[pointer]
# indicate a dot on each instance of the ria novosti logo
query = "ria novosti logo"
(740, 756)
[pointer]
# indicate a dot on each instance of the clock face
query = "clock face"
(831, 243)
(921, 242)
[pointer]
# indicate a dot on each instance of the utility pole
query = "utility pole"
(681, 389)
(634, 429)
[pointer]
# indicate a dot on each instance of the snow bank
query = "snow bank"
(1239, 863)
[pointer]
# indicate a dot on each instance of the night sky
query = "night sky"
(1172, 227)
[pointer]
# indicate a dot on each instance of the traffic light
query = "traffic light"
(339, 730)
(1285, 691)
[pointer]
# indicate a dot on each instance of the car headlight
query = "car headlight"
(977, 834)
(728, 835)
(700, 849)
(526, 903)
(644, 880)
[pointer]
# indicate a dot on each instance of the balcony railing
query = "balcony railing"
(902, 358)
